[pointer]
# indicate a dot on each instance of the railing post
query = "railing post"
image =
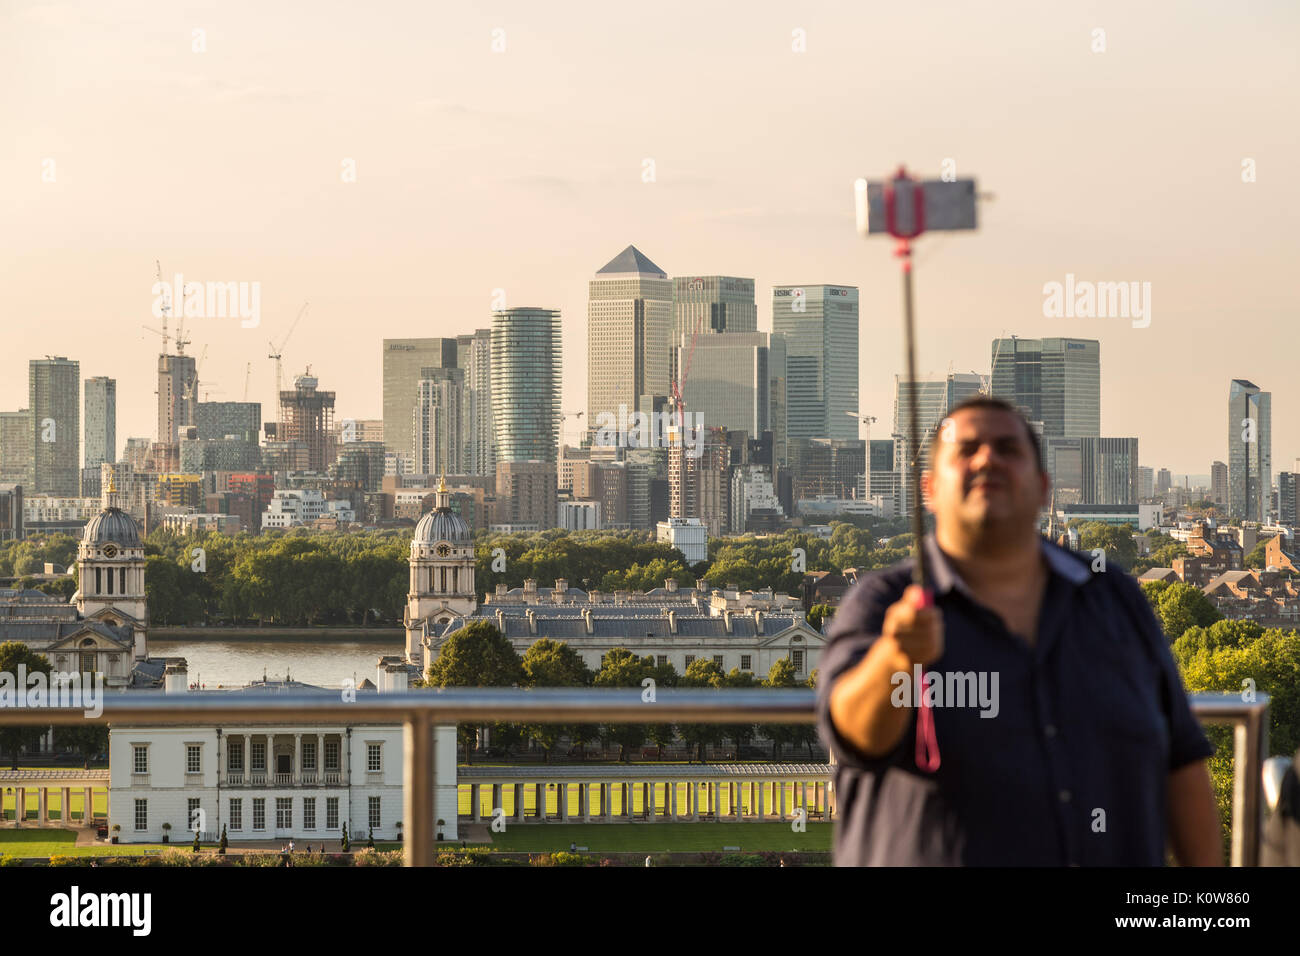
(1250, 740)
(418, 791)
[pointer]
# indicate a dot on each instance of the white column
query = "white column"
(694, 794)
(584, 801)
(540, 791)
(320, 760)
(497, 801)
(652, 797)
(781, 787)
(89, 813)
(519, 802)
(762, 788)
(672, 798)
(297, 759)
(562, 800)
(65, 807)
(606, 791)
(248, 761)
(42, 805)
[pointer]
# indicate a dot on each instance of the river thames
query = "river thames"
(234, 663)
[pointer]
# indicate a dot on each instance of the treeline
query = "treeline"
(479, 655)
(304, 578)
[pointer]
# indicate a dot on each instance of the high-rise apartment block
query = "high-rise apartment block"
(53, 395)
(526, 385)
(404, 359)
(1250, 451)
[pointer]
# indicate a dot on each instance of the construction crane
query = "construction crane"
(677, 387)
(277, 351)
(866, 420)
(248, 374)
(986, 381)
(166, 306)
(192, 389)
(560, 423)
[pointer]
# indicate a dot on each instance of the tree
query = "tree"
(819, 613)
(622, 668)
(1182, 606)
(702, 672)
(14, 654)
(782, 674)
(225, 843)
(549, 663)
(1256, 558)
(1115, 540)
(476, 655)
(347, 844)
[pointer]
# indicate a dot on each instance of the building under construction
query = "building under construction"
(307, 416)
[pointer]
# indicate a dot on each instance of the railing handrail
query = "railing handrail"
(419, 709)
(447, 705)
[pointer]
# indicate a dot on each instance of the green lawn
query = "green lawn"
(37, 843)
(662, 837)
(770, 799)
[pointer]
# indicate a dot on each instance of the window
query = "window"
(331, 813)
(284, 813)
(142, 814)
(259, 813)
(373, 761)
(331, 755)
(193, 815)
(661, 659)
(374, 812)
(259, 755)
(235, 756)
(746, 662)
(141, 763)
(796, 658)
(88, 662)
(121, 577)
(309, 813)
(690, 659)
(99, 580)
(309, 755)
(193, 758)
(717, 659)
(236, 814)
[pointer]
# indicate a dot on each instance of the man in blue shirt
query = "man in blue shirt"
(1063, 732)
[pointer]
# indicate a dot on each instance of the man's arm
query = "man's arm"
(1194, 826)
(860, 706)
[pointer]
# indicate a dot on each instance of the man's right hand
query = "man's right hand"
(916, 632)
(861, 705)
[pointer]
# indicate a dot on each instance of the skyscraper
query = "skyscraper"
(16, 448)
(53, 395)
(1055, 381)
(307, 416)
(1147, 481)
(526, 384)
(629, 332)
(437, 434)
(820, 325)
(215, 420)
(178, 385)
(1219, 483)
(1250, 450)
(403, 360)
(474, 357)
(101, 431)
(933, 399)
(737, 381)
(707, 305)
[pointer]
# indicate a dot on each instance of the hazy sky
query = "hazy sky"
(523, 170)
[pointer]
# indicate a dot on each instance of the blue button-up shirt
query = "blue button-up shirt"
(1070, 764)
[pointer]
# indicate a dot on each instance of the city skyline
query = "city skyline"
(415, 246)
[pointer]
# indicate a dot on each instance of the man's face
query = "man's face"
(984, 473)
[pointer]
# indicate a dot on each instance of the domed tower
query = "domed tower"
(110, 571)
(442, 574)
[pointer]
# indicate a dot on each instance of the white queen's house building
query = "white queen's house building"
(264, 780)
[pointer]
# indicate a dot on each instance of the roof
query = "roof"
(39, 635)
(1227, 578)
(641, 771)
(1158, 574)
(633, 626)
(632, 260)
(115, 525)
(442, 525)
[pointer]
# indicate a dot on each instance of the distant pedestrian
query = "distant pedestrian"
(309, 848)
(648, 861)
(290, 846)
(573, 847)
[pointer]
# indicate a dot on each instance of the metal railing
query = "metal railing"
(419, 710)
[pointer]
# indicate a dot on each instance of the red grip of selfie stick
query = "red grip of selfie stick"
(927, 744)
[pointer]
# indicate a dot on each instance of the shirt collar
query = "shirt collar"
(945, 577)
